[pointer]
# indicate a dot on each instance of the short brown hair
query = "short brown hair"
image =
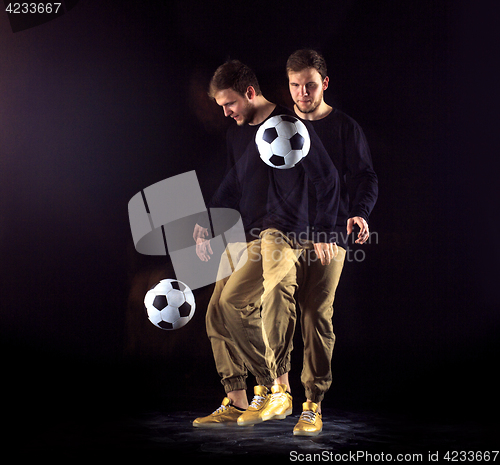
(233, 75)
(306, 58)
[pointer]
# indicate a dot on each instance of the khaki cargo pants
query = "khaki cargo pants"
(251, 316)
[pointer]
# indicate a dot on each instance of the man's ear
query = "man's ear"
(325, 82)
(250, 93)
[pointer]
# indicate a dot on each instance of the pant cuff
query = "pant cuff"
(314, 395)
(280, 371)
(234, 384)
(265, 381)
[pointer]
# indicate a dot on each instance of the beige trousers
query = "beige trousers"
(317, 285)
(252, 314)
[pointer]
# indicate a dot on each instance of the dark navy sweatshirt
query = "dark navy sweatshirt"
(346, 144)
(268, 197)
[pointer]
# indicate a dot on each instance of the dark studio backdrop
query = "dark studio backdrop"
(107, 100)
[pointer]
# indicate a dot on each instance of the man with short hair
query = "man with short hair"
(254, 306)
(346, 144)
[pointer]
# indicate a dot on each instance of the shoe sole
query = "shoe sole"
(216, 425)
(250, 422)
(278, 417)
(307, 433)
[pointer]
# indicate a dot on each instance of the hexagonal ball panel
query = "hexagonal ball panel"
(286, 129)
(175, 298)
(281, 146)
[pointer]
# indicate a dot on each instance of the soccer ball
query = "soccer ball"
(282, 141)
(169, 304)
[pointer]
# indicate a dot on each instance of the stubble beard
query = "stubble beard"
(311, 109)
(247, 116)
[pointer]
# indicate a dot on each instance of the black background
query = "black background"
(108, 99)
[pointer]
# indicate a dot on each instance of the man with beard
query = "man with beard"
(346, 144)
(254, 308)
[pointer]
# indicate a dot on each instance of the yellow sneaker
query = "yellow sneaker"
(252, 415)
(226, 415)
(310, 422)
(280, 404)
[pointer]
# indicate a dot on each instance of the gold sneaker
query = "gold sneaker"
(252, 415)
(310, 422)
(280, 404)
(226, 415)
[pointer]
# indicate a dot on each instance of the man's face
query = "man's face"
(239, 107)
(306, 89)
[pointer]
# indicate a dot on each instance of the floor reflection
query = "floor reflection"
(163, 433)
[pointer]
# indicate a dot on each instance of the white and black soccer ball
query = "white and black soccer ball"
(283, 141)
(170, 304)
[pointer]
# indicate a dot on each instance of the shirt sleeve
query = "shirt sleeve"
(361, 179)
(228, 194)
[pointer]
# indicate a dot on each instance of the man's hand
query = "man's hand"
(364, 231)
(203, 248)
(326, 251)
(199, 232)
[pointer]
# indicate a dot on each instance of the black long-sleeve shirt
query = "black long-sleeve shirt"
(346, 144)
(268, 197)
